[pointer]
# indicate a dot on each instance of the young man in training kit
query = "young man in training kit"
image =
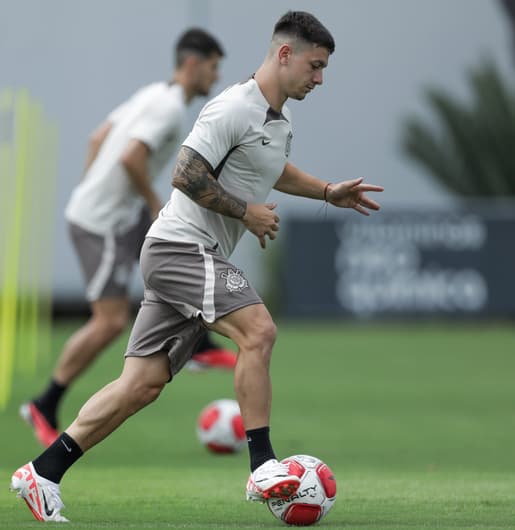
(236, 153)
(107, 221)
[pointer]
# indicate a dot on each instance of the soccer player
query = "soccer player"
(236, 153)
(107, 221)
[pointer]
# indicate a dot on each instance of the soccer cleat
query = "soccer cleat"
(214, 358)
(45, 433)
(271, 480)
(41, 495)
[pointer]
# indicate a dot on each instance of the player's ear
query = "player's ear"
(284, 53)
(191, 61)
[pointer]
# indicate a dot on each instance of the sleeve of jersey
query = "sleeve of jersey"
(117, 114)
(219, 128)
(156, 124)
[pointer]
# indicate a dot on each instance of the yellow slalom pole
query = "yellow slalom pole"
(7, 193)
(12, 248)
(39, 257)
(27, 322)
(28, 157)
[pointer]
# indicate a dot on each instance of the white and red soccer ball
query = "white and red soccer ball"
(315, 496)
(220, 427)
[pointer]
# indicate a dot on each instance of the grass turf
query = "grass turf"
(416, 422)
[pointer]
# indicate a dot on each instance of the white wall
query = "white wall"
(81, 58)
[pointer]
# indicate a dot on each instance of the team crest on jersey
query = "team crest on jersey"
(234, 280)
(287, 148)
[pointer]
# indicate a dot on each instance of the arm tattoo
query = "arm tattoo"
(193, 176)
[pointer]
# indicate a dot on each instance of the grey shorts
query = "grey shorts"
(185, 285)
(107, 261)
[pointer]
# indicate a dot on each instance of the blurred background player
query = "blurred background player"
(112, 208)
(236, 153)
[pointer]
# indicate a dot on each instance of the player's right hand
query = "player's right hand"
(262, 221)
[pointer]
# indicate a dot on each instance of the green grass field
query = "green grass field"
(417, 423)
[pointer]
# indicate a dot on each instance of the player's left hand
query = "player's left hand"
(351, 194)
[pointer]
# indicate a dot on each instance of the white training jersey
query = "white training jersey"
(105, 201)
(247, 145)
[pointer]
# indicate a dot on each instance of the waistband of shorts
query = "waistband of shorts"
(183, 245)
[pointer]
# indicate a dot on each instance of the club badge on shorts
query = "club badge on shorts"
(234, 280)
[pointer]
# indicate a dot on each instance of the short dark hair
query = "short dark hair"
(196, 41)
(306, 27)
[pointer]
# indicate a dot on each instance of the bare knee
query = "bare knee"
(110, 326)
(260, 337)
(149, 393)
(268, 333)
(252, 329)
(140, 395)
(143, 379)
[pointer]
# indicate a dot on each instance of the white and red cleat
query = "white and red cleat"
(271, 480)
(41, 495)
(215, 358)
(45, 433)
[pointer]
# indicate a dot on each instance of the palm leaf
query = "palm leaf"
(470, 152)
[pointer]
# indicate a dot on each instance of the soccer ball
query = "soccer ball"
(220, 427)
(315, 496)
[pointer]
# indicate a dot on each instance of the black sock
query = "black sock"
(53, 463)
(49, 400)
(260, 448)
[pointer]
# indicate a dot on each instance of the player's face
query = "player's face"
(207, 74)
(304, 72)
